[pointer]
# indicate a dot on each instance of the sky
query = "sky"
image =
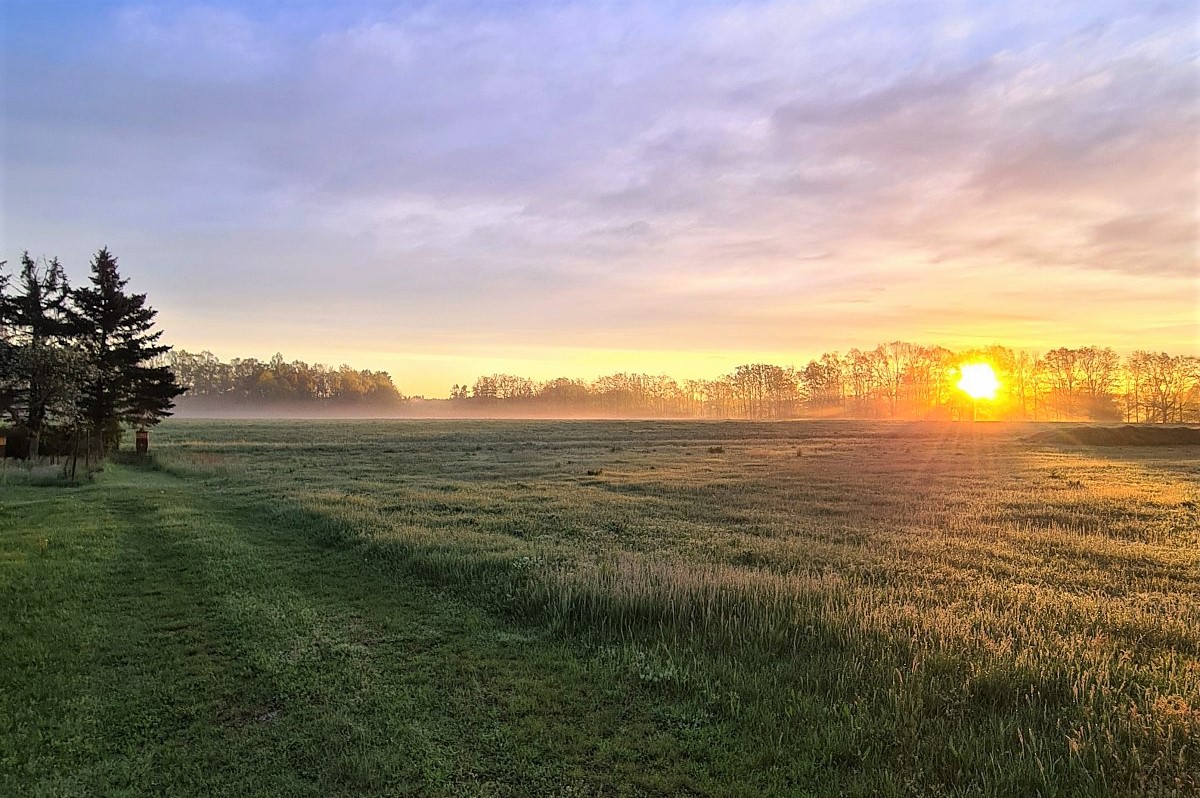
(445, 190)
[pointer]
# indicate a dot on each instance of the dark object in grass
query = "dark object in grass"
(594, 472)
(716, 450)
(1128, 435)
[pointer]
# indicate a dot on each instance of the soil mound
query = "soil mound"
(1128, 435)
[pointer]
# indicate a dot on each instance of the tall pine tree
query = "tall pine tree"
(129, 384)
(8, 382)
(36, 328)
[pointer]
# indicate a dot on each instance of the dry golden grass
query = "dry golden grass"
(951, 604)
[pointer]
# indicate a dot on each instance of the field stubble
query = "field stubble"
(948, 607)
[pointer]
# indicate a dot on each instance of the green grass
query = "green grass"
(558, 608)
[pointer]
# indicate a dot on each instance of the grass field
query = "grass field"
(590, 608)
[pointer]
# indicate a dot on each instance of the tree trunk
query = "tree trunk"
(74, 450)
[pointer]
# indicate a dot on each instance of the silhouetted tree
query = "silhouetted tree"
(8, 382)
(37, 330)
(1063, 376)
(1099, 369)
(1171, 386)
(130, 383)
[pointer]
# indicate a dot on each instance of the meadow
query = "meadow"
(495, 608)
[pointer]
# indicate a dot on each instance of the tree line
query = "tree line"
(893, 380)
(78, 365)
(248, 382)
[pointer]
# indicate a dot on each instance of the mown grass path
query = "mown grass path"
(162, 638)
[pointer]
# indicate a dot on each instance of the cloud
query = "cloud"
(193, 43)
(500, 160)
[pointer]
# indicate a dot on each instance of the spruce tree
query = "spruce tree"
(128, 385)
(36, 331)
(8, 383)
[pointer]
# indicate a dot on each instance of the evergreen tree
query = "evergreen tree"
(36, 332)
(128, 384)
(8, 384)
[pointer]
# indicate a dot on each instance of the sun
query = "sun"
(978, 381)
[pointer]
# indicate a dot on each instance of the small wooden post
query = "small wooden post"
(3, 444)
(143, 441)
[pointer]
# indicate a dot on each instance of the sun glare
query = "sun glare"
(978, 381)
